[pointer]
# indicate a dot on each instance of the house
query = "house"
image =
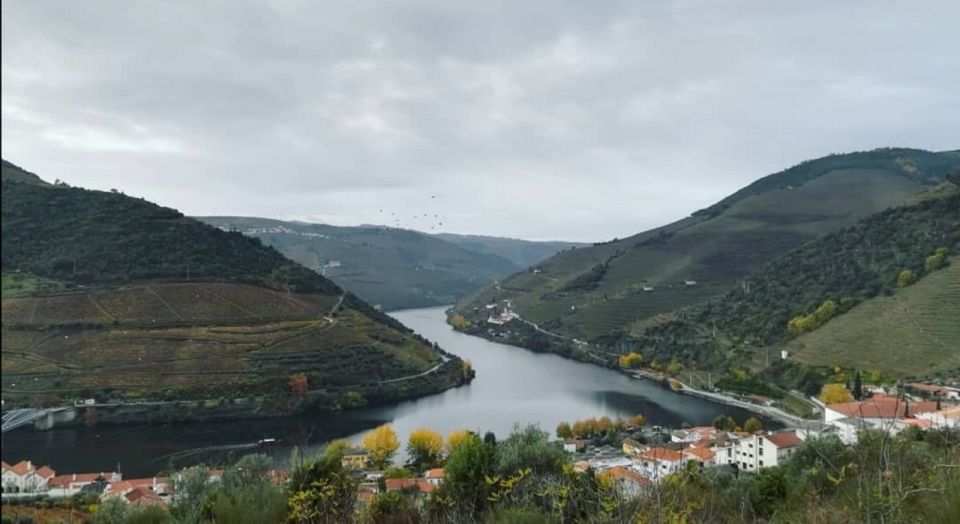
(648, 288)
(435, 476)
(723, 450)
(628, 482)
(929, 390)
(355, 460)
(143, 496)
(155, 487)
(25, 477)
(691, 435)
(657, 463)
(690, 282)
(73, 483)
(401, 484)
(632, 448)
(879, 412)
(699, 454)
(764, 450)
(944, 418)
(572, 445)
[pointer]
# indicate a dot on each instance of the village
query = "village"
(638, 464)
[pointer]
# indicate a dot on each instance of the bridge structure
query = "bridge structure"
(16, 418)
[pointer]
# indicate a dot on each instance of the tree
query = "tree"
(563, 430)
(724, 423)
(470, 464)
(752, 425)
(529, 447)
(381, 443)
(631, 360)
(637, 421)
(857, 387)
(490, 438)
(458, 437)
(906, 278)
(835, 394)
(322, 491)
(299, 384)
(424, 447)
(936, 261)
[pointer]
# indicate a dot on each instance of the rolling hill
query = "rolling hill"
(395, 268)
(617, 291)
(111, 297)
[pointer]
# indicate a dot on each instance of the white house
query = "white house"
(945, 418)
(71, 484)
(878, 412)
(763, 451)
(657, 463)
(24, 477)
(691, 435)
(629, 483)
(435, 476)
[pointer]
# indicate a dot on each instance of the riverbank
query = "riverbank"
(531, 337)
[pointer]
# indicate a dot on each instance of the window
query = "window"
(761, 463)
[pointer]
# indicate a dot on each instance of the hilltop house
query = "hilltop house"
(632, 448)
(150, 490)
(691, 435)
(24, 477)
(573, 445)
(700, 454)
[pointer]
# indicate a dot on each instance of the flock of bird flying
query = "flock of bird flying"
(433, 221)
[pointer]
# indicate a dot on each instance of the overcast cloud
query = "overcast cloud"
(537, 119)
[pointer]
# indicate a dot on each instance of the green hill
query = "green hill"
(14, 173)
(852, 277)
(600, 293)
(113, 297)
(396, 268)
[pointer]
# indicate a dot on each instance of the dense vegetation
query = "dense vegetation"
(910, 477)
(85, 236)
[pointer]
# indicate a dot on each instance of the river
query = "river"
(513, 386)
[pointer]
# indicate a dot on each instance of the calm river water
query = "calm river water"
(513, 386)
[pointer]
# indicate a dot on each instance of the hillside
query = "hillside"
(116, 298)
(602, 293)
(857, 270)
(523, 253)
(396, 268)
(14, 173)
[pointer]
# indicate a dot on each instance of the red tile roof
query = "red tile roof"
(143, 496)
(699, 453)
(784, 440)
(664, 454)
(81, 478)
(22, 468)
(46, 472)
(425, 486)
(621, 473)
(4, 466)
(436, 473)
(883, 407)
(399, 484)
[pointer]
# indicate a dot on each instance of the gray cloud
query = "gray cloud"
(533, 119)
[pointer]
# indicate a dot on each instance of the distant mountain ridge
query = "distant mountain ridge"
(396, 268)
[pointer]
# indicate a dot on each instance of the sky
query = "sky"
(538, 119)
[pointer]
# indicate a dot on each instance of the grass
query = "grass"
(25, 284)
(915, 332)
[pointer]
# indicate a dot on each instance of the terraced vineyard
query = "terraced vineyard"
(117, 299)
(914, 332)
